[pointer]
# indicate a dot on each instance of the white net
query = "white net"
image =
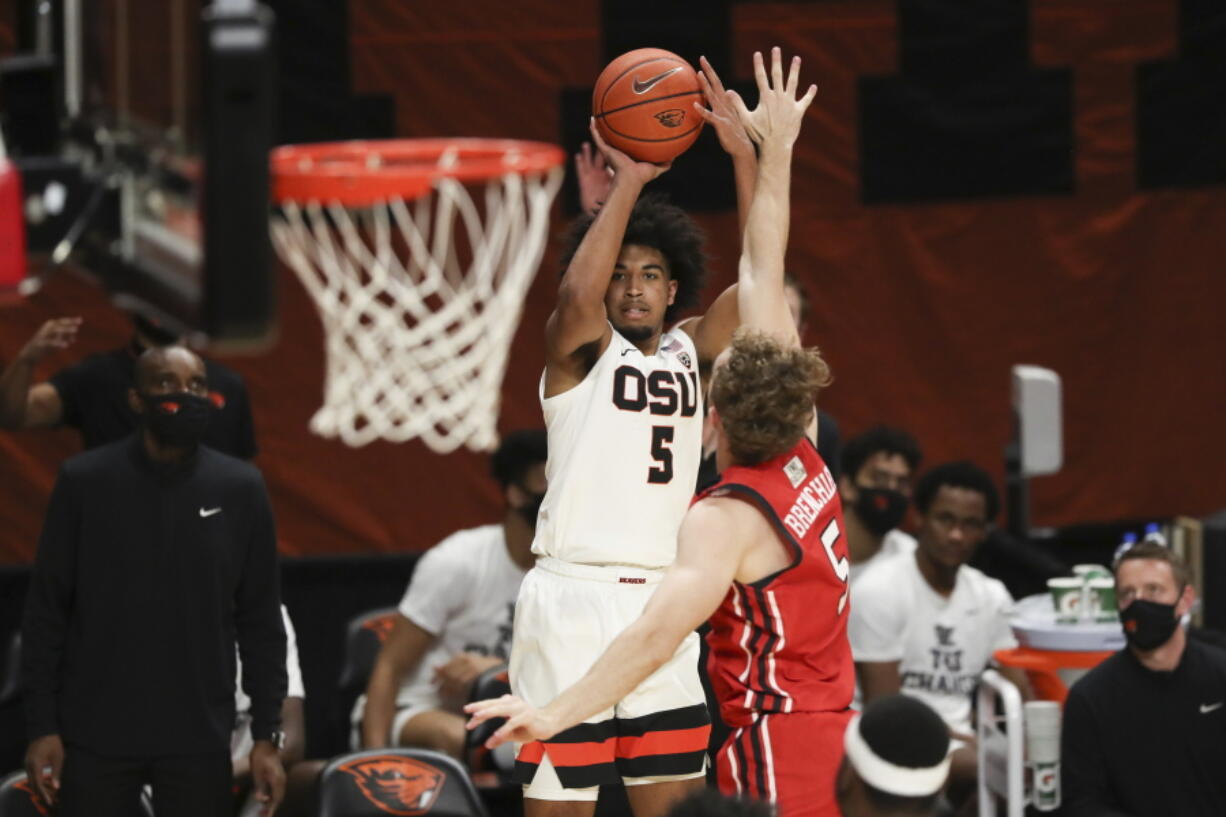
(419, 302)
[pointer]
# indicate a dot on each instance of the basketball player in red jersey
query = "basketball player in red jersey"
(761, 553)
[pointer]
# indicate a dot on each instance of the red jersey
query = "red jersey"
(780, 644)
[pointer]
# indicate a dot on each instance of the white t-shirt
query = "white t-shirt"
(624, 448)
(892, 544)
(462, 592)
(942, 644)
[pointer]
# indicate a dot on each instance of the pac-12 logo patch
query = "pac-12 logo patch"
(795, 471)
(684, 357)
(397, 785)
(672, 118)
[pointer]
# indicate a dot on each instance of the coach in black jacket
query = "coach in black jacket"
(156, 556)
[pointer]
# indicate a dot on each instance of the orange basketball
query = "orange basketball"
(644, 104)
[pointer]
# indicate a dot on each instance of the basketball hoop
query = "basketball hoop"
(418, 282)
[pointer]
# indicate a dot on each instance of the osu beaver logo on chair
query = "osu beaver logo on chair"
(672, 118)
(395, 784)
(28, 788)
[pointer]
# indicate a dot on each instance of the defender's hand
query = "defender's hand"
(44, 762)
(524, 723)
(777, 119)
(722, 115)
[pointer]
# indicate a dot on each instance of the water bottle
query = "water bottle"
(1153, 533)
(1124, 546)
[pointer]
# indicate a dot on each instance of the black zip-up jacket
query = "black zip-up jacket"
(1141, 743)
(146, 577)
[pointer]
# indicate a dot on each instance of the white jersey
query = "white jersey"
(624, 448)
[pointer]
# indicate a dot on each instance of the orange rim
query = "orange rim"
(361, 173)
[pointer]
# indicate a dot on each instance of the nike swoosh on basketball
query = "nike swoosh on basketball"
(647, 84)
(1205, 709)
(209, 511)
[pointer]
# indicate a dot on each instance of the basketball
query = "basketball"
(643, 105)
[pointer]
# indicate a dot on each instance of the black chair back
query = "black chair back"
(403, 782)
(492, 683)
(364, 635)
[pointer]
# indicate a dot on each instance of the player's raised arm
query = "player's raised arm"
(579, 323)
(773, 125)
(711, 545)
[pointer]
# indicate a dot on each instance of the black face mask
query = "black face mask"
(178, 420)
(880, 509)
(1148, 624)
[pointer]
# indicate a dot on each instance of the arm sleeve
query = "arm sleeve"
(257, 620)
(877, 623)
(1083, 770)
(48, 605)
(432, 596)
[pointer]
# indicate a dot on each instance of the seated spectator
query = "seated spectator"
(1145, 731)
(895, 760)
(926, 624)
(92, 395)
(876, 490)
(455, 619)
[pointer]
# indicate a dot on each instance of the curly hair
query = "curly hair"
(764, 394)
(880, 440)
(656, 223)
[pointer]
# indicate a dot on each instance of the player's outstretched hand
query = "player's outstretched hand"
(524, 724)
(779, 114)
(721, 115)
(57, 333)
(622, 165)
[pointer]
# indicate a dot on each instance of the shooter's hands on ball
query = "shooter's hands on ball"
(524, 724)
(623, 167)
(779, 113)
(722, 115)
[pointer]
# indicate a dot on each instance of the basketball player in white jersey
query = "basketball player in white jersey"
(622, 403)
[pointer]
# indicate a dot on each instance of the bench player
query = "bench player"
(746, 534)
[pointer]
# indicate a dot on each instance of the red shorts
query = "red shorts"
(789, 760)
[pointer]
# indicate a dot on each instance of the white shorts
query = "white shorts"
(405, 711)
(566, 615)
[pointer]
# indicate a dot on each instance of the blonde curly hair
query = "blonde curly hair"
(765, 393)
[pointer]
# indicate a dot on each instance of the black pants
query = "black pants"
(183, 785)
